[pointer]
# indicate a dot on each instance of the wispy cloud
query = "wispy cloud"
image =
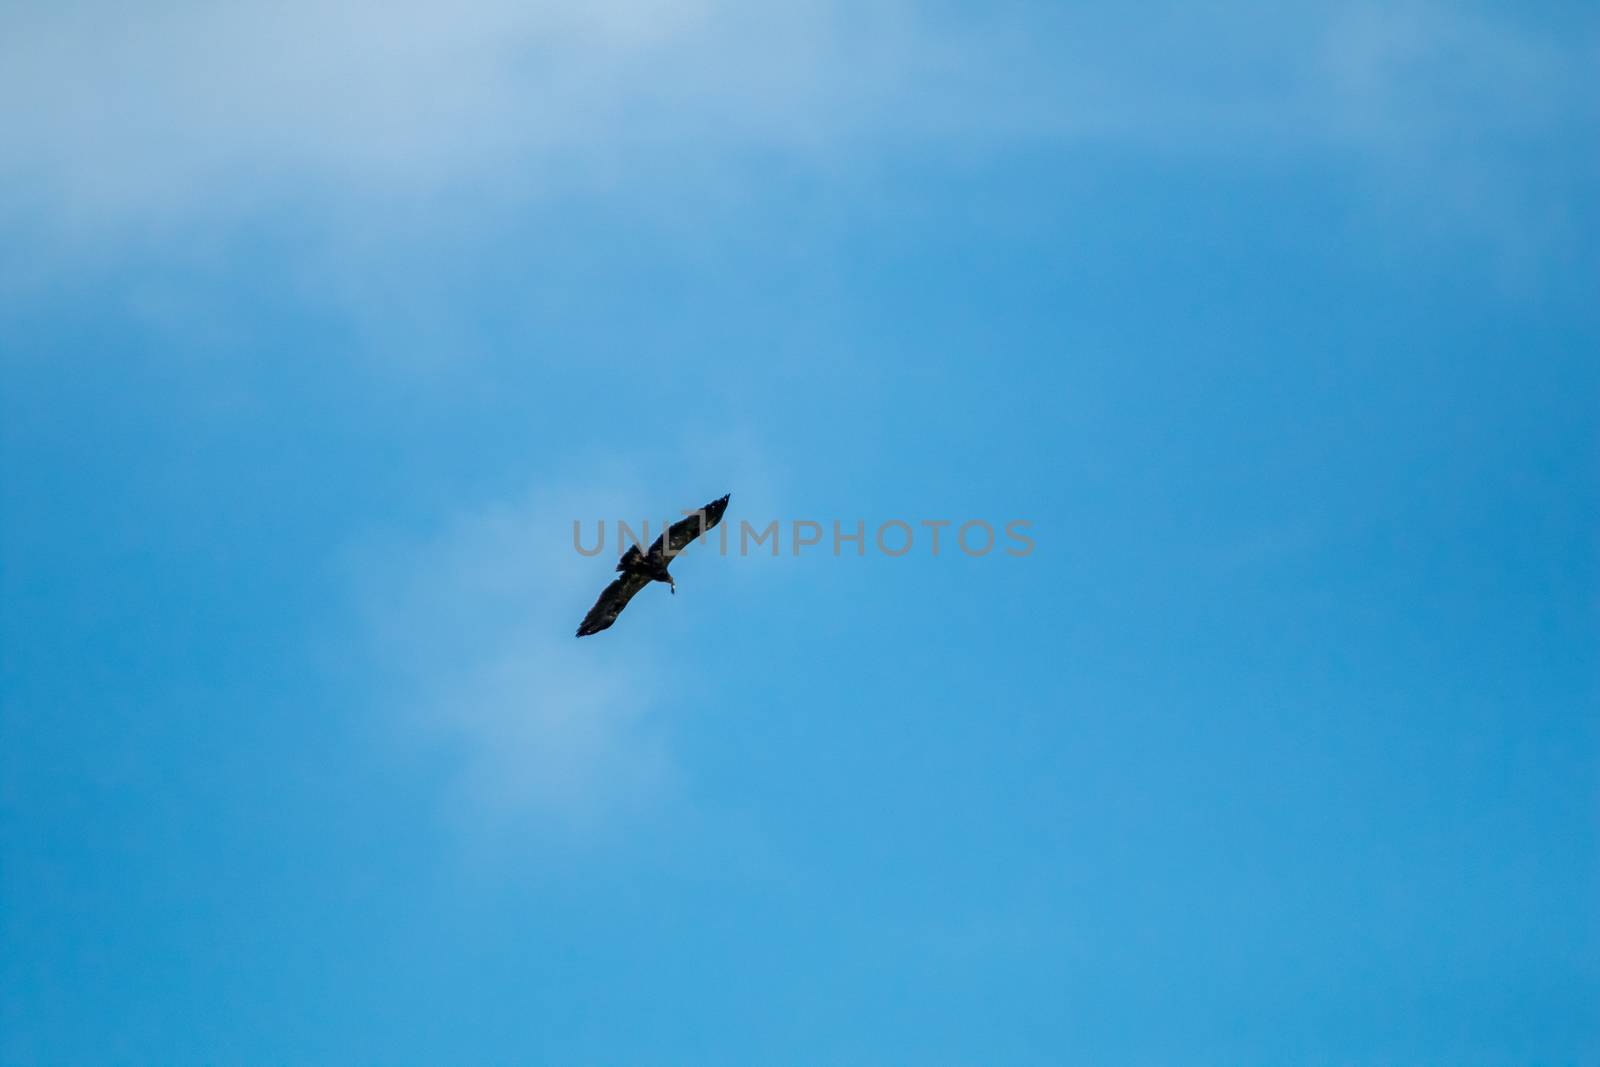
(181, 106)
(182, 110)
(472, 634)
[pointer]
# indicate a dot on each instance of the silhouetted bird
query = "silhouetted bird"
(639, 569)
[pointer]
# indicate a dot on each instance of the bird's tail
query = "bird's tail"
(630, 558)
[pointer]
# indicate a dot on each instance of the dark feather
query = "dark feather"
(611, 602)
(680, 533)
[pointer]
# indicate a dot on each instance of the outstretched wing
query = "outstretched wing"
(680, 533)
(611, 602)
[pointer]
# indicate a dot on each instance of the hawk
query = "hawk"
(638, 569)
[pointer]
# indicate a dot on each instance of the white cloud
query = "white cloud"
(129, 120)
(473, 634)
(114, 110)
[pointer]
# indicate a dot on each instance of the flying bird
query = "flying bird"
(638, 569)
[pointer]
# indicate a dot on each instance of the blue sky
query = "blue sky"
(320, 323)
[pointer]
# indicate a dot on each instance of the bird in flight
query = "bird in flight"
(638, 569)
